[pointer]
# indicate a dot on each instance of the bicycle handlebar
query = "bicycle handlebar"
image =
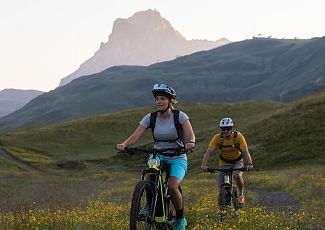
(212, 170)
(176, 151)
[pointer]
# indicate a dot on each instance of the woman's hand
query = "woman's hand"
(190, 145)
(120, 147)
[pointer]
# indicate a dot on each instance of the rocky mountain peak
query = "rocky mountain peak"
(148, 20)
(143, 39)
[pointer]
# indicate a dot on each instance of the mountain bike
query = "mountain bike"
(228, 197)
(153, 194)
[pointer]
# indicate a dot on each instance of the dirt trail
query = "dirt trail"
(22, 164)
(276, 201)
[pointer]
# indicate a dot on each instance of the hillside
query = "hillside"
(293, 138)
(14, 99)
(278, 134)
(252, 69)
(69, 174)
(93, 139)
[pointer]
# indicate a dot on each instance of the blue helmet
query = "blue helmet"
(162, 89)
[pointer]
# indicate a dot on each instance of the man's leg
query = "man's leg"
(238, 176)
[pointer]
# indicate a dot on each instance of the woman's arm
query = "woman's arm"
(132, 139)
(189, 135)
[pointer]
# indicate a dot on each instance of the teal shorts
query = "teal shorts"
(178, 167)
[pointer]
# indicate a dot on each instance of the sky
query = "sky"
(43, 41)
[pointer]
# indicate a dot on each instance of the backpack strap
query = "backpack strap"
(178, 126)
(153, 118)
(236, 143)
(220, 143)
(235, 139)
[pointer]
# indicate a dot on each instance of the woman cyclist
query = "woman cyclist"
(166, 136)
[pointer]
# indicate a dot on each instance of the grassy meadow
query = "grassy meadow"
(78, 181)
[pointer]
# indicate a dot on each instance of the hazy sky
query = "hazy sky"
(42, 41)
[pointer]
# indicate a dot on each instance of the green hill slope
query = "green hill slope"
(93, 139)
(279, 134)
(93, 184)
(295, 137)
(252, 69)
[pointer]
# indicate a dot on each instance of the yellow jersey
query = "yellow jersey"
(228, 151)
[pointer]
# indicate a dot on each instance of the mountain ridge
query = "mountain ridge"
(276, 69)
(13, 99)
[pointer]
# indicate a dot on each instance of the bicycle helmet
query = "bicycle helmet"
(162, 89)
(226, 122)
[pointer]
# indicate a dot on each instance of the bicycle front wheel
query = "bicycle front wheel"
(223, 198)
(142, 199)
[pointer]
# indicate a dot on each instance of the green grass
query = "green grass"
(293, 138)
(7, 167)
(278, 134)
(94, 138)
(286, 141)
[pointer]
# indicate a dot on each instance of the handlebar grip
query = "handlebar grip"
(128, 150)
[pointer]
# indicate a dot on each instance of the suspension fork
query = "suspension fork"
(160, 193)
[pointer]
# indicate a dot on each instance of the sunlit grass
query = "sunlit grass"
(110, 209)
(98, 195)
(97, 215)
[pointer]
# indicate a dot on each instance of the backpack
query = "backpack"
(235, 145)
(178, 126)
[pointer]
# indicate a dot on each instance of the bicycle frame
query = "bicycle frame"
(228, 187)
(156, 178)
(159, 210)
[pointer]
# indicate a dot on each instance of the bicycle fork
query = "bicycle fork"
(159, 214)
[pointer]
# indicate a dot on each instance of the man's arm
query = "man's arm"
(206, 158)
(247, 158)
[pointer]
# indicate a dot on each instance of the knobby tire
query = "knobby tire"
(235, 197)
(222, 202)
(143, 194)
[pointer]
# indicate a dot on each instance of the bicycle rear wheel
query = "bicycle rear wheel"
(143, 196)
(235, 198)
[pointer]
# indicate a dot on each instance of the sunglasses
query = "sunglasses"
(226, 128)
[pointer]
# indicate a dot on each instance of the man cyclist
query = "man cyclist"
(233, 154)
(166, 136)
